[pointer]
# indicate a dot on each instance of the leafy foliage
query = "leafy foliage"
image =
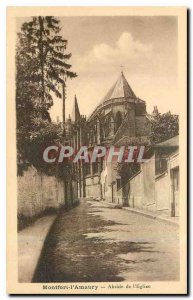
(41, 60)
(42, 134)
(42, 67)
(164, 127)
(127, 170)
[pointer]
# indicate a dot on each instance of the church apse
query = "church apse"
(120, 114)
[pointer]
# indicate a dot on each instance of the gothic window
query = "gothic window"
(107, 126)
(92, 136)
(112, 129)
(118, 120)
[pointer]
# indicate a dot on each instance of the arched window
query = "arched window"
(112, 126)
(107, 126)
(118, 120)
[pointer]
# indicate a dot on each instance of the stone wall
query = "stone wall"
(143, 126)
(162, 191)
(148, 175)
(39, 192)
(93, 187)
(139, 192)
(136, 191)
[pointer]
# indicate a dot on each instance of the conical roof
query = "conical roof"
(75, 111)
(121, 89)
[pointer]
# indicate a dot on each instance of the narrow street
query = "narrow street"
(93, 243)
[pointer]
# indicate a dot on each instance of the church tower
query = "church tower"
(75, 112)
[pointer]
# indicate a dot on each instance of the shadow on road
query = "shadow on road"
(70, 256)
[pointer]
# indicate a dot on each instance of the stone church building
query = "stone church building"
(119, 119)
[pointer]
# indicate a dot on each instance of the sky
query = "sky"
(146, 47)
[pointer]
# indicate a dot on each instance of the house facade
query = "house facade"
(167, 177)
(155, 186)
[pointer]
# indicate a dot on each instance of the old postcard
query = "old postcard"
(96, 150)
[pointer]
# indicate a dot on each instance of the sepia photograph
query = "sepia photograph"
(96, 141)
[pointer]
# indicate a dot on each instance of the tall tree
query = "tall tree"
(41, 61)
(41, 70)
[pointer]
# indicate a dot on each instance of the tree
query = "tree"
(41, 62)
(42, 134)
(41, 65)
(127, 170)
(164, 127)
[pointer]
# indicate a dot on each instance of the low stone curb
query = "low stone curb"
(30, 243)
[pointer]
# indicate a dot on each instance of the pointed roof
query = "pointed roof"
(121, 89)
(75, 112)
